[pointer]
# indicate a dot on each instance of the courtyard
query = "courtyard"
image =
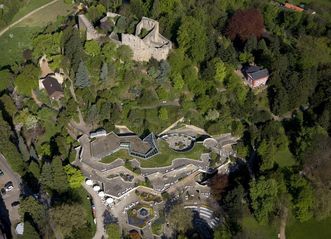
(140, 215)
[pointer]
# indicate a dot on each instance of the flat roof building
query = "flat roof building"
(111, 143)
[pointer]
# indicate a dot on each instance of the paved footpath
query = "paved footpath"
(99, 210)
(26, 16)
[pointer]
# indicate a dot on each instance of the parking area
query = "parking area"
(11, 196)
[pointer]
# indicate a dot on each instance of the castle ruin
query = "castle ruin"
(152, 45)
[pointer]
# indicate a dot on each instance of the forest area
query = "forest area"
(284, 129)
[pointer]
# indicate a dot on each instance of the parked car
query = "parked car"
(1, 172)
(3, 191)
(16, 203)
(9, 186)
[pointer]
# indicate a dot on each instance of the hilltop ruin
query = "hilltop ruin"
(144, 46)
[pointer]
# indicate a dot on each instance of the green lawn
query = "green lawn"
(164, 158)
(311, 229)
(167, 155)
(254, 230)
(18, 38)
(13, 42)
(28, 7)
(52, 12)
(123, 154)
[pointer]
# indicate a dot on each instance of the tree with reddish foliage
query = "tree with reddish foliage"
(245, 24)
(134, 234)
(218, 184)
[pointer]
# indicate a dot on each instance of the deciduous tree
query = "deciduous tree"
(180, 219)
(192, 38)
(68, 218)
(74, 176)
(27, 80)
(245, 24)
(92, 48)
(263, 193)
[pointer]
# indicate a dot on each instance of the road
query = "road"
(26, 16)
(12, 196)
(99, 210)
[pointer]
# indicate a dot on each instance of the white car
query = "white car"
(9, 186)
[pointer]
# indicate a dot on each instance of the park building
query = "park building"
(111, 143)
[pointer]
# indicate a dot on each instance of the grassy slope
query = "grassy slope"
(311, 229)
(165, 157)
(48, 14)
(253, 230)
(30, 6)
(14, 41)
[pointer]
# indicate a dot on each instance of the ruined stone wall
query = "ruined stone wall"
(85, 25)
(153, 45)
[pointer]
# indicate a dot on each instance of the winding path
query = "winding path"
(99, 210)
(26, 16)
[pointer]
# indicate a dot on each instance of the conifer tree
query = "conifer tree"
(60, 183)
(104, 72)
(82, 78)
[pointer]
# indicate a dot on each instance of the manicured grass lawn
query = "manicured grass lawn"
(284, 158)
(310, 229)
(254, 230)
(164, 158)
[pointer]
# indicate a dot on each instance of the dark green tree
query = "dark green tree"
(104, 72)
(8, 148)
(68, 218)
(82, 76)
(35, 210)
(60, 183)
(192, 38)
